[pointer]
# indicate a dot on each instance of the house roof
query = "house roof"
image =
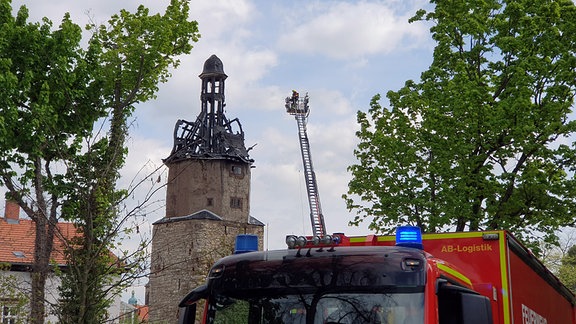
(202, 214)
(17, 241)
(254, 221)
(143, 313)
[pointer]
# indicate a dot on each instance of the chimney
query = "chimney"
(12, 213)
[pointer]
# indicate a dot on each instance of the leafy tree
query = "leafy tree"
(570, 258)
(135, 52)
(14, 299)
(482, 140)
(44, 115)
(55, 159)
(567, 270)
(561, 258)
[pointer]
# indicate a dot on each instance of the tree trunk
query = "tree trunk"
(45, 220)
(40, 269)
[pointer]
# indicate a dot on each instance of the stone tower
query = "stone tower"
(207, 199)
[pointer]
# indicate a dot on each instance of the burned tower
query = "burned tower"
(207, 199)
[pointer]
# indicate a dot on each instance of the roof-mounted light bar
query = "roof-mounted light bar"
(409, 236)
(296, 242)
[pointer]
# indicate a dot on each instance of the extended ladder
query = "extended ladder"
(299, 108)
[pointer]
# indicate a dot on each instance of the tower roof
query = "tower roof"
(213, 67)
(133, 301)
(212, 135)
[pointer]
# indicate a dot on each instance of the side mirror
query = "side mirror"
(187, 315)
(460, 305)
(187, 310)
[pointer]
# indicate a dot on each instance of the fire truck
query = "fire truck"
(410, 278)
(462, 277)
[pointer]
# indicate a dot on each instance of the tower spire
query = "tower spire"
(207, 198)
(212, 135)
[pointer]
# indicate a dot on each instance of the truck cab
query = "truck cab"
(332, 283)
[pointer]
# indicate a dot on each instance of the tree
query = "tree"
(44, 116)
(54, 160)
(135, 52)
(482, 141)
(567, 270)
(94, 276)
(14, 299)
(561, 258)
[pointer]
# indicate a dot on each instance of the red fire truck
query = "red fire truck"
(468, 277)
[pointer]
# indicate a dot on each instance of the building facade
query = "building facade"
(17, 237)
(207, 199)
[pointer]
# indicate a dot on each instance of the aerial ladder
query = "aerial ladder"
(298, 107)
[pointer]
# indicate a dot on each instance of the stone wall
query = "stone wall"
(182, 253)
(221, 186)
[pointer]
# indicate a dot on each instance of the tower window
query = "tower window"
(235, 202)
(236, 170)
(210, 202)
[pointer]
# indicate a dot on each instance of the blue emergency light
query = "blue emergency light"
(246, 243)
(409, 236)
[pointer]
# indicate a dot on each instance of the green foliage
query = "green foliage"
(135, 52)
(44, 79)
(12, 296)
(54, 162)
(482, 140)
(570, 258)
(561, 258)
(48, 106)
(567, 269)
(234, 311)
(567, 273)
(137, 49)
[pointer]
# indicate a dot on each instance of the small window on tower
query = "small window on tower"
(210, 202)
(236, 170)
(235, 202)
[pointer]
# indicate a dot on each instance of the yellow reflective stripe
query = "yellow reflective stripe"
(386, 238)
(454, 273)
(431, 236)
(504, 275)
(452, 235)
(358, 239)
(379, 238)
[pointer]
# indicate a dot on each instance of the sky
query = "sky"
(341, 53)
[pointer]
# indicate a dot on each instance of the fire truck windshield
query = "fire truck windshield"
(342, 285)
(351, 308)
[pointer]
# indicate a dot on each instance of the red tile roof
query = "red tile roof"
(17, 241)
(142, 313)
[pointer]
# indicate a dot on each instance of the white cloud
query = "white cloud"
(328, 103)
(349, 30)
(81, 12)
(216, 18)
(145, 155)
